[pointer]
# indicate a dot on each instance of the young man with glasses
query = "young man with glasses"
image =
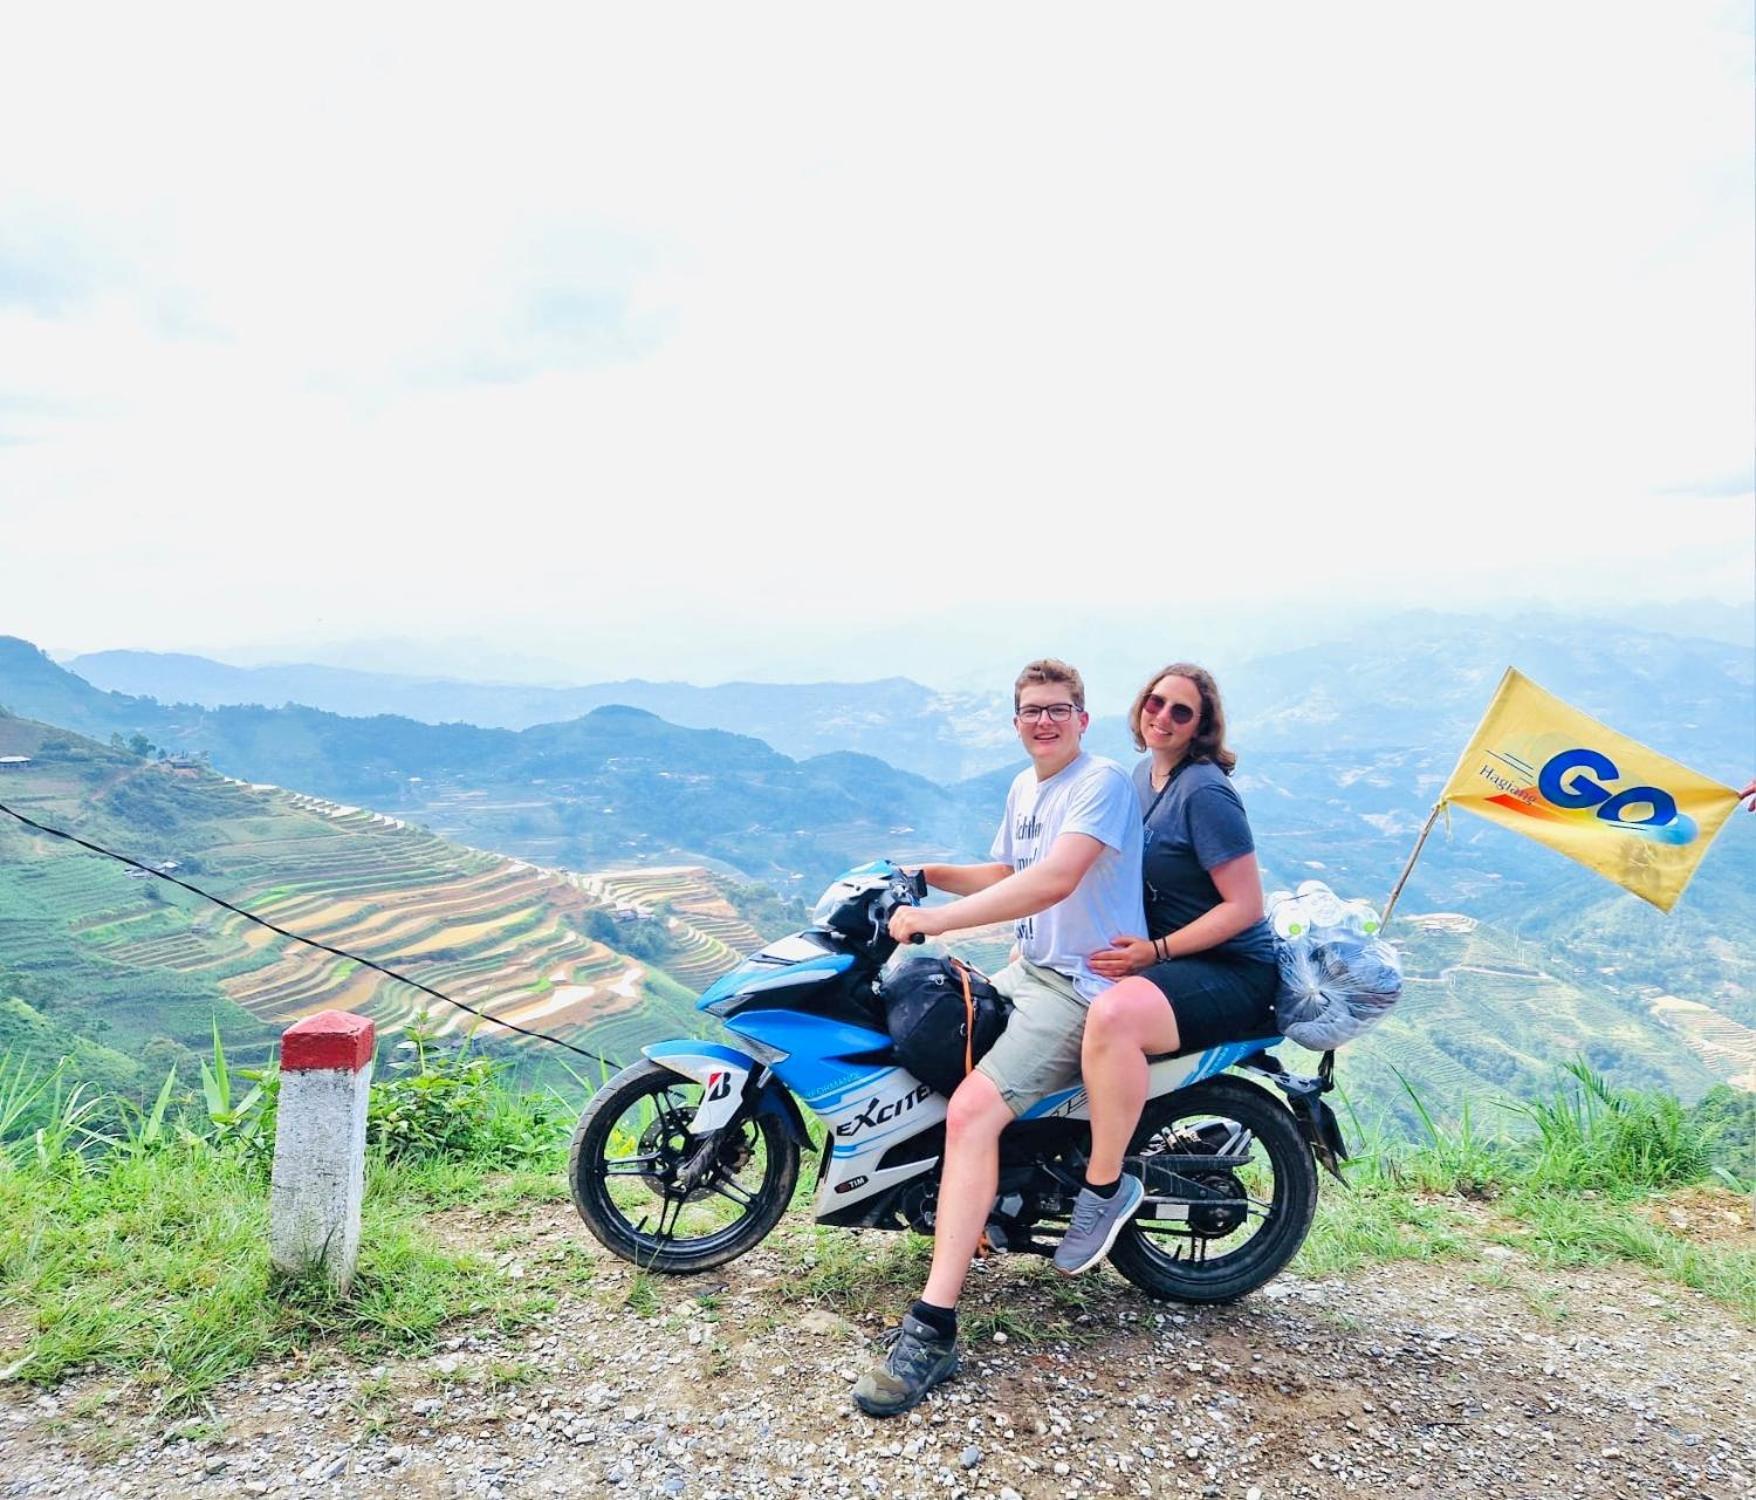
(1066, 868)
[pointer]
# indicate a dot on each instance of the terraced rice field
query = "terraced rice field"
(499, 934)
(712, 935)
(1722, 1043)
(509, 938)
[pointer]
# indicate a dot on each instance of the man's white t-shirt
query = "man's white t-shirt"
(1093, 796)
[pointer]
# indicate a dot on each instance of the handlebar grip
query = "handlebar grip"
(917, 937)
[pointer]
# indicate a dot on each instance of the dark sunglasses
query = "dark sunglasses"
(1154, 705)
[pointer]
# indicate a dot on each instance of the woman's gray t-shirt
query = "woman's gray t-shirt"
(1196, 824)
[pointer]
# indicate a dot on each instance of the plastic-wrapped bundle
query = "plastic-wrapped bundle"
(1337, 977)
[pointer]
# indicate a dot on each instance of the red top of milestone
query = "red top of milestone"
(329, 1039)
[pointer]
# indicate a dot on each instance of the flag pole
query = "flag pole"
(1506, 679)
(1402, 879)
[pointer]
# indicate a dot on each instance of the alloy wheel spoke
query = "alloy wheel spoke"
(735, 1191)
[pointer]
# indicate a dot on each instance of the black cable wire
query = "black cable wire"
(541, 1036)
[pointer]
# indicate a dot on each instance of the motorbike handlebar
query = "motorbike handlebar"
(904, 890)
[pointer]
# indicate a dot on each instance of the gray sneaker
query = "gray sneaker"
(1096, 1223)
(918, 1360)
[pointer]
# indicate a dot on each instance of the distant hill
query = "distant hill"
(1419, 679)
(617, 785)
(1422, 680)
(943, 736)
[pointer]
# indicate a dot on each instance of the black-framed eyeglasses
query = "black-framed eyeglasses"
(1056, 713)
(1153, 705)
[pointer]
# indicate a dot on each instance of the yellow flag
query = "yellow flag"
(1549, 771)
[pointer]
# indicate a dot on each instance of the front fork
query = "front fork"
(734, 1086)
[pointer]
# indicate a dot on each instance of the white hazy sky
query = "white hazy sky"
(653, 340)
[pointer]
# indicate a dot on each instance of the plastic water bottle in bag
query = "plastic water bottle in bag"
(1337, 977)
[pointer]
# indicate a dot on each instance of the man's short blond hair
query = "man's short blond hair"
(1049, 669)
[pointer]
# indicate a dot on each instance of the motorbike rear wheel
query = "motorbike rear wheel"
(1174, 1258)
(650, 1195)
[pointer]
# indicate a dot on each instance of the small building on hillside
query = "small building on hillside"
(14, 762)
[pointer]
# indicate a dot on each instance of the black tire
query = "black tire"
(1176, 1262)
(630, 1146)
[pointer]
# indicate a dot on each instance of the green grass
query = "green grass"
(1580, 1136)
(1590, 1136)
(1379, 1223)
(1568, 1231)
(642, 1299)
(137, 1243)
(857, 1274)
(156, 1267)
(1570, 1186)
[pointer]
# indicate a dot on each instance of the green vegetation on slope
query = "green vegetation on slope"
(37, 1042)
(1485, 1015)
(120, 960)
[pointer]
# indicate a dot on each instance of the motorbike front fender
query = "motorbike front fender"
(727, 1076)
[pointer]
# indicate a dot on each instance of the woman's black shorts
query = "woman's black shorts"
(1218, 999)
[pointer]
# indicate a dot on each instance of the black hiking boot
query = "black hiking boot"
(918, 1360)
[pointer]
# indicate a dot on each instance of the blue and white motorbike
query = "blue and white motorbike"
(689, 1158)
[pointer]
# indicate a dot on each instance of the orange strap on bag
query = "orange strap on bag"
(969, 1019)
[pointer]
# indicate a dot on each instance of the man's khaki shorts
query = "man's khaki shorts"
(1038, 1052)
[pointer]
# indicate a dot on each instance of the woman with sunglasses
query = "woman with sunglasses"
(1205, 971)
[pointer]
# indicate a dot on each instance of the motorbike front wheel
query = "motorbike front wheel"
(654, 1195)
(1214, 1253)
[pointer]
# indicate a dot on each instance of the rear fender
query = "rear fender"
(731, 1081)
(1304, 1097)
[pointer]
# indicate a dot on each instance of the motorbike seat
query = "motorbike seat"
(1260, 1043)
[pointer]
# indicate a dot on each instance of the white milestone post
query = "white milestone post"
(320, 1146)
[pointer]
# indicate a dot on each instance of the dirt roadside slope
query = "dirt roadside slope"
(1487, 1376)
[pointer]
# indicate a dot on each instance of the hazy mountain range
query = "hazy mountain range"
(941, 735)
(1406, 680)
(1342, 748)
(1342, 745)
(616, 784)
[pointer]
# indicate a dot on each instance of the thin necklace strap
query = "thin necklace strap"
(1158, 796)
(1170, 775)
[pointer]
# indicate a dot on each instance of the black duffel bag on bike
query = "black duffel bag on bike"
(943, 1016)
